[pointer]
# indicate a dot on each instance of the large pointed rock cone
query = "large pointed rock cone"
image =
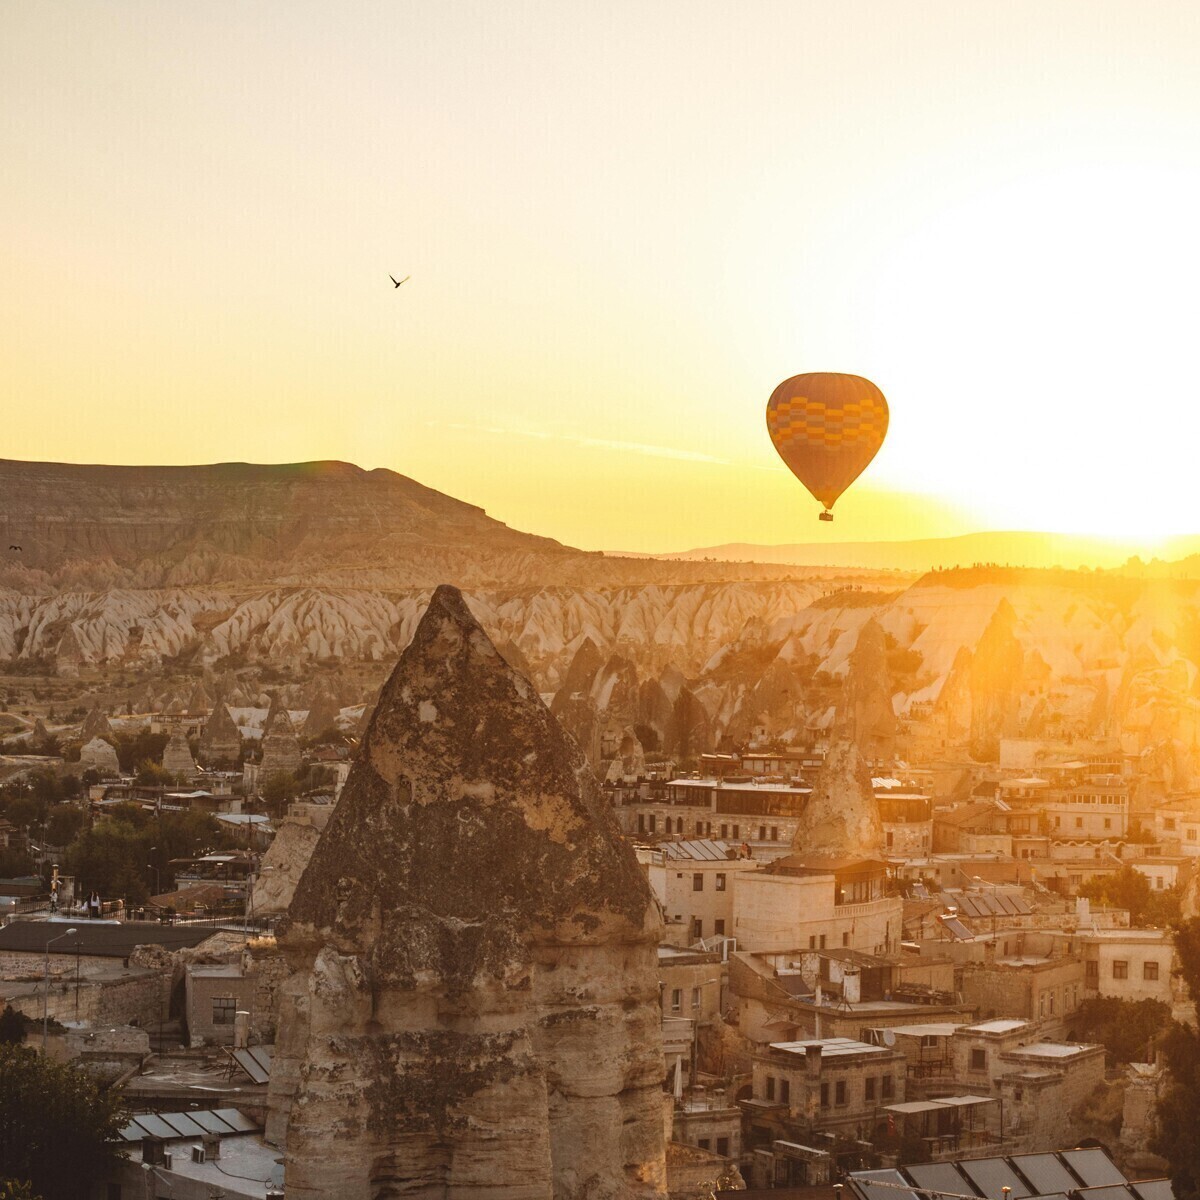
(476, 1005)
(841, 818)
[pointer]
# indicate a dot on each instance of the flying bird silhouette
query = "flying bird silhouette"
(398, 282)
(14, 547)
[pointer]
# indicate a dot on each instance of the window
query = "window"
(812, 941)
(1169, 825)
(770, 1087)
(719, 927)
(720, 881)
(1108, 822)
(762, 833)
(1150, 970)
(785, 1091)
(724, 831)
(889, 1087)
(723, 1147)
(978, 1060)
(774, 833)
(641, 822)
(846, 938)
(1078, 822)
(698, 882)
(869, 1088)
(890, 839)
(695, 997)
(1191, 835)
(676, 999)
(699, 828)
(704, 1143)
(223, 1009)
(1120, 968)
(653, 822)
(839, 1092)
(1091, 974)
(737, 832)
(697, 928)
(822, 941)
(824, 1095)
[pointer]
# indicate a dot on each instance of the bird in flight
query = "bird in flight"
(14, 547)
(398, 282)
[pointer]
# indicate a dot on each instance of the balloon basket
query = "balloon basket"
(826, 516)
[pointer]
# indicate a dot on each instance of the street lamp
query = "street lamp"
(46, 988)
(157, 878)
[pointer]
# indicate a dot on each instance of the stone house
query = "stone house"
(822, 903)
(693, 881)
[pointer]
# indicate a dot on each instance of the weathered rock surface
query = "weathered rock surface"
(280, 747)
(177, 755)
(475, 1009)
(995, 684)
(841, 818)
(95, 725)
(869, 719)
(220, 743)
(99, 755)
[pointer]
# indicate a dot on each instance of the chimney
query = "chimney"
(812, 1060)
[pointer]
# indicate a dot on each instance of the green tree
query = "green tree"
(1125, 1028)
(150, 774)
(16, 864)
(64, 823)
(1127, 888)
(58, 1130)
(12, 1027)
(14, 1189)
(1178, 1138)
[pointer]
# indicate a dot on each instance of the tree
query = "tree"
(1178, 1138)
(12, 1027)
(150, 774)
(58, 1130)
(1130, 889)
(13, 1189)
(65, 822)
(1125, 1028)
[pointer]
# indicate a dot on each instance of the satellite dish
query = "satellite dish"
(889, 1038)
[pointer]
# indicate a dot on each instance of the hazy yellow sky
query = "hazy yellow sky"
(625, 223)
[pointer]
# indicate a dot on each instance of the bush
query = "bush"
(58, 1130)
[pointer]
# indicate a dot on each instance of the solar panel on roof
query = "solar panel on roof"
(957, 929)
(155, 1126)
(1021, 903)
(233, 1117)
(257, 1072)
(992, 903)
(1111, 1191)
(990, 1175)
(862, 1181)
(1154, 1189)
(1045, 1172)
(1007, 904)
(941, 1177)
(210, 1122)
(132, 1132)
(1093, 1166)
(183, 1124)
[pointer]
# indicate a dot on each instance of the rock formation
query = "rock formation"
(280, 749)
(177, 756)
(98, 755)
(842, 816)
(995, 685)
(475, 1010)
(868, 718)
(220, 743)
(96, 725)
(322, 715)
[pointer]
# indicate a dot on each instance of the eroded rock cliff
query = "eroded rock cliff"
(475, 1009)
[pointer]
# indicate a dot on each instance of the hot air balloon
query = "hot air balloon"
(827, 428)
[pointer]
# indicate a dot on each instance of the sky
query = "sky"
(624, 223)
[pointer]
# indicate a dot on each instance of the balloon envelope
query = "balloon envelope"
(827, 428)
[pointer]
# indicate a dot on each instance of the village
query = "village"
(877, 952)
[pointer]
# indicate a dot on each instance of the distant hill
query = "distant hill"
(76, 527)
(1017, 548)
